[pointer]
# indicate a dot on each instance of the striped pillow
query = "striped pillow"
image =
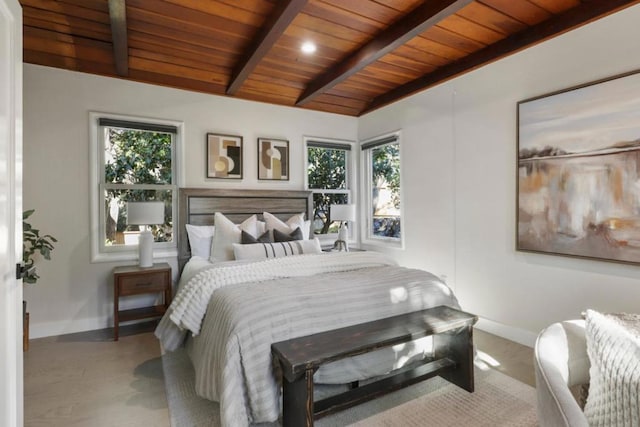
(258, 251)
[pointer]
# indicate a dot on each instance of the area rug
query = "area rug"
(498, 400)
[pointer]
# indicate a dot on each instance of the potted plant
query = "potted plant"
(32, 244)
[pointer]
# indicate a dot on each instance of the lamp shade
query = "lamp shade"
(343, 212)
(145, 213)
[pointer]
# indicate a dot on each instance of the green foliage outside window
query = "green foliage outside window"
(386, 170)
(326, 170)
(386, 190)
(135, 157)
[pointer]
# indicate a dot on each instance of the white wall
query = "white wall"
(74, 294)
(459, 154)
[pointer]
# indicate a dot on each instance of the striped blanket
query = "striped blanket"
(252, 305)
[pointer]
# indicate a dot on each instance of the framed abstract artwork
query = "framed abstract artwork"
(273, 159)
(224, 156)
(579, 171)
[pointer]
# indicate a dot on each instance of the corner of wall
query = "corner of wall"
(518, 335)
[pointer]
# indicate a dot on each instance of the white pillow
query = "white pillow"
(292, 223)
(257, 251)
(613, 346)
(200, 238)
(227, 233)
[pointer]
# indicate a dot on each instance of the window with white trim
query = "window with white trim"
(329, 177)
(135, 161)
(381, 171)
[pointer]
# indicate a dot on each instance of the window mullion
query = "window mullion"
(328, 191)
(114, 186)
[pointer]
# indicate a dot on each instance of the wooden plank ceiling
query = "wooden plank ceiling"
(370, 53)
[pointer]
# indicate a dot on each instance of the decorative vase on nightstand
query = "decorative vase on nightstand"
(145, 214)
(341, 243)
(344, 214)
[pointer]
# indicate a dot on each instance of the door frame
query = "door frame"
(11, 357)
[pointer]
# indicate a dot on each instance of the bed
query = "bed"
(232, 311)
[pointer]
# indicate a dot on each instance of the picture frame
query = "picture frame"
(578, 171)
(273, 159)
(224, 156)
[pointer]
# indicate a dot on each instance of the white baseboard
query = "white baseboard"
(63, 327)
(518, 335)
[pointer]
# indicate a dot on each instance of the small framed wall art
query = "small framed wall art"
(273, 159)
(224, 156)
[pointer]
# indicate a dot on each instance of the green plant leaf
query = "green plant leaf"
(32, 243)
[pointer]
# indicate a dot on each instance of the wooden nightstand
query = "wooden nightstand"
(134, 280)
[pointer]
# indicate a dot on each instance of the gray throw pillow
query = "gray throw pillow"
(279, 236)
(247, 238)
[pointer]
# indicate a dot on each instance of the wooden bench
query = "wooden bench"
(299, 358)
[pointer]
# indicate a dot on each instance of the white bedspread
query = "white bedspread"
(250, 306)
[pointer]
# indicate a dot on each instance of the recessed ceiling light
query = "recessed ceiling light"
(308, 47)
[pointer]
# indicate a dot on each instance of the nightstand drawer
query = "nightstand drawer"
(143, 283)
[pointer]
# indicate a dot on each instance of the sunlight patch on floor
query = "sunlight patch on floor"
(484, 361)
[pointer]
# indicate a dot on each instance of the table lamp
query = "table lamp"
(145, 214)
(344, 214)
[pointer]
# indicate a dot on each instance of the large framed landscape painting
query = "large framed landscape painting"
(579, 171)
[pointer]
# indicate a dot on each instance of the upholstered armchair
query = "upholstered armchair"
(561, 365)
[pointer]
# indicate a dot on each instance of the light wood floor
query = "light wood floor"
(86, 379)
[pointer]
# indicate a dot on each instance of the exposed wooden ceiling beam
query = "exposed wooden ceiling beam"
(412, 24)
(580, 15)
(276, 24)
(118, 18)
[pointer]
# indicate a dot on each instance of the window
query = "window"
(135, 161)
(329, 168)
(381, 166)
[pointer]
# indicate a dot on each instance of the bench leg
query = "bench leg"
(457, 345)
(297, 401)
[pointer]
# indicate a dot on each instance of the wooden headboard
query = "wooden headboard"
(198, 205)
